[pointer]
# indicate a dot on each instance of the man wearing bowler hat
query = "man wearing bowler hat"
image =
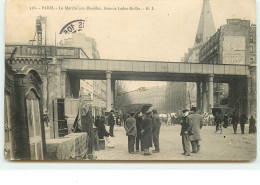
(146, 133)
(184, 133)
(130, 128)
(111, 123)
(156, 131)
(195, 123)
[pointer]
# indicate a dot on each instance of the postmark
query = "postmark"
(73, 27)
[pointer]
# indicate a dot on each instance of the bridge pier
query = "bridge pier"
(63, 80)
(211, 92)
(198, 95)
(109, 90)
(204, 97)
(252, 92)
(113, 86)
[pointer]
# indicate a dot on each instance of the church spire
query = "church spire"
(206, 26)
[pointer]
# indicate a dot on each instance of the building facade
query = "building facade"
(233, 43)
(96, 88)
(206, 29)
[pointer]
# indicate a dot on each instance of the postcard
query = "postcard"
(130, 80)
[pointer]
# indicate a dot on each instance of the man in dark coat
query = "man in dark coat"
(102, 129)
(184, 133)
(195, 123)
(146, 132)
(138, 118)
(218, 120)
(252, 127)
(130, 128)
(234, 121)
(225, 120)
(111, 123)
(156, 124)
(243, 120)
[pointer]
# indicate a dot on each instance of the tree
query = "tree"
(50, 73)
(191, 93)
(121, 96)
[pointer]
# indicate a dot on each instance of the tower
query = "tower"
(206, 27)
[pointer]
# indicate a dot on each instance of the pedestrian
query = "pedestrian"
(195, 123)
(172, 119)
(184, 133)
(243, 120)
(130, 128)
(168, 119)
(103, 134)
(138, 118)
(225, 120)
(252, 127)
(97, 121)
(234, 121)
(111, 123)
(218, 120)
(146, 132)
(46, 118)
(156, 124)
(101, 128)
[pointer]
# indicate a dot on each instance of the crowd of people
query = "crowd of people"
(143, 129)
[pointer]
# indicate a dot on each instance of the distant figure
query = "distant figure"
(225, 120)
(218, 120)
(146, 132)
(211, 120)
(111, 123)
(172, 120)
(168, 119)
(184, 133)
(252, 127)
(130, 128)
(234, 121)
(243, 120)
(138, 118)
(156, 124)
(195, 124)
(46, 118)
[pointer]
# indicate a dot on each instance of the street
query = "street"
(214, 147)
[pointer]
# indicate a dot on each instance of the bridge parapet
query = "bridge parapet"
(155, 67)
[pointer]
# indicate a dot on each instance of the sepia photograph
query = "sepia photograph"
(130, 80)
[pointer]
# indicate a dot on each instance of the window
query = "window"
(251, 49)
(251, 38)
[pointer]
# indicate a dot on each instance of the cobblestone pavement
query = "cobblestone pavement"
(225, 146)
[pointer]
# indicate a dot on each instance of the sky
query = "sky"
(162, 34)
